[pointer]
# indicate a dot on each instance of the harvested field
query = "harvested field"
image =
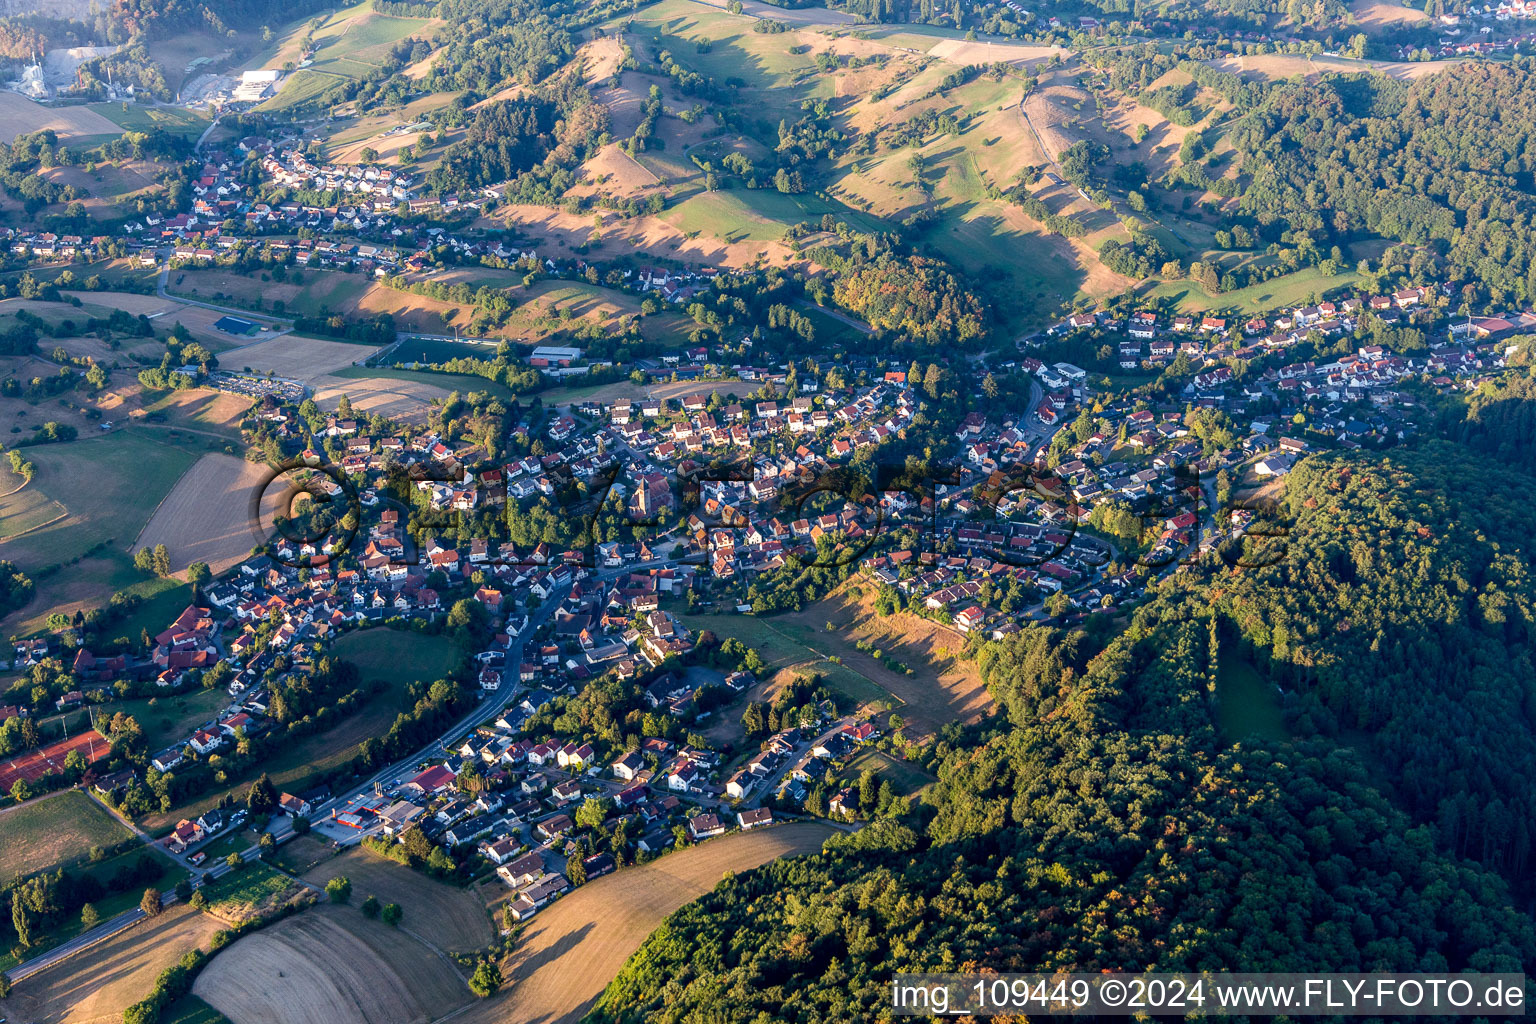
(789, 15)
(207, 515)
(1276, 66)
(291, 356)
(337, 967)
(1053, 112)
(98, 984)
(36, 763)
(1375, 15)
(200, 409)
(387, 396)
(444, 916)
(613, 170)
(573, 948)
(19, 115)
(55, 830)
(959, 51)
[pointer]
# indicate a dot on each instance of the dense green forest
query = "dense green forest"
(1443, 162)
(1103, 821)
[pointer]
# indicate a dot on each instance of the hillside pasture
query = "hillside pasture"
(207, 517)
(337, 967)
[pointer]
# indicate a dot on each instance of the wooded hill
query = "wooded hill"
(1108, 824)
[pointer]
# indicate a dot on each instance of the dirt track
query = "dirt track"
(573, 948)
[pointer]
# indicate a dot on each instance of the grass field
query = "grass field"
(349, 44)
(397, 657)
(55, 831)
(135, 117)
(1246, 702)
(941, 688)
(1291, 290)
(905, 778)
(445, 916)
(246, 894)
(107, 485)
(573, 948)
(170, 718)
(107, 907)
(336, 967)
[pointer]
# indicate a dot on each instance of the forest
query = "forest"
(1442, 162)
(1104, 821)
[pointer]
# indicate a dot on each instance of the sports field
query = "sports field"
(34, 764)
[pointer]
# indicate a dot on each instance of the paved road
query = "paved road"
(485, 712)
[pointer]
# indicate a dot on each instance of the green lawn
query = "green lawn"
(55, 831)
(191, 1010)
(905, 778)
(107, 907)
(1290, 290)
(138, 118)
(170, 718)
(1247, 703)
(781, 644)
(396, 657)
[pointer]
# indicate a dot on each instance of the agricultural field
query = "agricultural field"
(398, 394)
(337, 967)
(446, 917)
(107, 487)
(100, 983)
(250, 893)
(208, 517)
(199, 409)
(54, 831)
(298, 358)
(573, 948)
(306, 292)
(20, 116)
